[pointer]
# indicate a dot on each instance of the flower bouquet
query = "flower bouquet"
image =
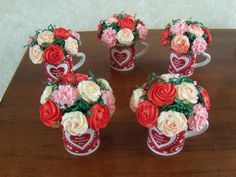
(173, 107)
(54, 47)
(187, 39)
(80, 105)
(120, 32)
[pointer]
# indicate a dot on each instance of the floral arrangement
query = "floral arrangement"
(53, 45)
(186, 36)
(172, 103)
(77, 102)
(121, 28)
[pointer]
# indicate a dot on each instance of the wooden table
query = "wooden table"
(29, 149)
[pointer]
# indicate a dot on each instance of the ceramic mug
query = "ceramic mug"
(184, 64)
(66, 67)
(168, 146)
(122, 57)
(81, 145)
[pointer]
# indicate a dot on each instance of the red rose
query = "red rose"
(99, 117)
(164, 38)
(147, 114)
(72, 78)
(99, 29)
(49, 113)
(126, 23)
(61, 33)
(206, 98)
(53, 54)
(162, 93)
(207, 32)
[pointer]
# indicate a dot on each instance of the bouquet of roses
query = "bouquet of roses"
(121, 28)
(187, 36)
(53, 45)
(76, 103)
(172, 103)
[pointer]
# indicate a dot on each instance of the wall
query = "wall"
(19, 18)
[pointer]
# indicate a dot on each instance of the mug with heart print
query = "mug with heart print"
(122, 57)
(54, 47)
(172, 107)
(187, 39)
(120, 33)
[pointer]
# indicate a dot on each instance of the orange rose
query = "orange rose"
(195, 29)
(180, 44)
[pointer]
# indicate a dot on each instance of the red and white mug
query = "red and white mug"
(66, 67)
(122, 57)
(168, 146)
(81, 145)
(184, 63)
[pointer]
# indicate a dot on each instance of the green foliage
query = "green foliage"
(79, 105)
(190, 36)
(152, 78)
(179, 80)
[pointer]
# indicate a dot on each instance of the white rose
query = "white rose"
(135, 99)
(167, 77)
(46, 36)
(75, 123)
(46, 94)
(111, 20)
(89, 91)
(71, 46)
(36, 54)
(105, 84)
(187, 92)
(171, 123)
(125, 36)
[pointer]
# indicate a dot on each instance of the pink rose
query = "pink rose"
(199, 45)
(180, 44)
(179, 28)
(195, 29)
(109, 37)
(109, 100)
(143, 31)
(65, 95)
(198, 120)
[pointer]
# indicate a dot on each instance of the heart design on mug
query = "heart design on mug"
(159, 139)
(80, 141)
(179, 63)
(55, 71)
(120, 57)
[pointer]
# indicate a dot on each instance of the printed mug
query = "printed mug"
(184, 64)
(66, 67)
(81, 145)
(168, 146)
(122, 57)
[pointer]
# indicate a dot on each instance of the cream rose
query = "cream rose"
(75, 123)
(135, 98)
(125, 36)
(46, 36)
(89, 91)
(171, 123)
(71, 46)
(167, 77)
(111, 20)
(195, 29)
(105, 84)
(187, 92)
(46, 94)
(36, 54)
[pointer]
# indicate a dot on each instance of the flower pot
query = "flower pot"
(81, 145)
(122, 57)
(168, 146)
(184, 63)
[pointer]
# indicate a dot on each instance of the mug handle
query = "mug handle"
(143, 51)
(80, 62)
(205, 62)
(192, 133)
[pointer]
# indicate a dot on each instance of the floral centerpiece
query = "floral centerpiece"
(171, 106)
(81, 105)
(186, 38)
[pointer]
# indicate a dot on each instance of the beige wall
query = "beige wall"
(19, 18)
